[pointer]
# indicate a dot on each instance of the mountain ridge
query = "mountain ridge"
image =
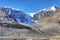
(17, 15)
(45, 12)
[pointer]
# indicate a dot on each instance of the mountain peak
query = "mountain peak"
(54, 8)
(6, 7)
(15, 14)
(46, 12)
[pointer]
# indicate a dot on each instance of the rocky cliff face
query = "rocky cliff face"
(4, 17)
(45, 13)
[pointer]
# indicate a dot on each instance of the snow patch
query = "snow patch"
(31, 14)
(53, 8)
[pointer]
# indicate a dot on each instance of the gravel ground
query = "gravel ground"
(4, 31)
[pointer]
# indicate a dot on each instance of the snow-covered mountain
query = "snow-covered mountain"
(45, 12)
(8, 13)
(15, 15)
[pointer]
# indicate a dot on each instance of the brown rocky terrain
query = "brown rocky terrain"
(46, 28)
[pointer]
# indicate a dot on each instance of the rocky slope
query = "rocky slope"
(15, 14)
(16, 23)
(47, 12)
(48, 20)
(47, 25)
(48, 15)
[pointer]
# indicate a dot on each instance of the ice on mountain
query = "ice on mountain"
(53, 8)
(17, 15)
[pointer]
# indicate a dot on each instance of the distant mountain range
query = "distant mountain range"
(12, 15)
(8, 14)
(44, 23)
(45, 13)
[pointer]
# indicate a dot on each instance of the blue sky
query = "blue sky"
(29, 6)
